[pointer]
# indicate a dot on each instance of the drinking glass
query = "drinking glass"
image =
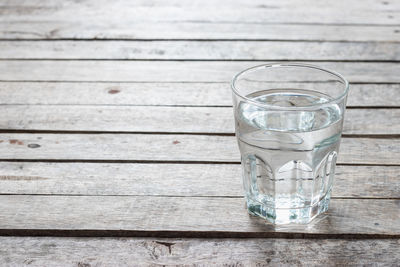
(288, 121)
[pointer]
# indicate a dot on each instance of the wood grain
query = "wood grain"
(173, 179)
(291, 20)
(40, 251)
(30, 30)
(152, 74)
(169, 148)
(286, 12)
(172, 94)
(196, 50)
(171, 71)
(184, 217)
(167, 119)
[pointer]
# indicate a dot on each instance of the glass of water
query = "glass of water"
(288, 121)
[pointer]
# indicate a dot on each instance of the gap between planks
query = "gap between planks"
(33, 131)
(183, 162)
(172, 105)
(93, 233)
(192, 40)
(175, 196)
(206, 60)
(164, 82)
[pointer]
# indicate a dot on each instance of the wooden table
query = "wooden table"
(117, 143)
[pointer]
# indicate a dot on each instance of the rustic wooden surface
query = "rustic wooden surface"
(45, 251)
(207, 94)
(47, 178)
(196, 50)
(167, 148)
(116, 134)
(210, 120)
(171, 71)
(185, 216)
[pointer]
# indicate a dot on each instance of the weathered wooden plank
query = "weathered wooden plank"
(152, 147)
(187, 179)
(49, 251)
(170, 71)
(196, 50)
(193, 94)
(166, 119)
(258, 20)
(138, 215)
(286, 12)
(56, 30)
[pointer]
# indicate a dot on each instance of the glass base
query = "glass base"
(301, 215)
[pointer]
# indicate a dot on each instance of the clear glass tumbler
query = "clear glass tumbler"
(288, 121)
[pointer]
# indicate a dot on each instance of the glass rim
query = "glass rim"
(291, 64)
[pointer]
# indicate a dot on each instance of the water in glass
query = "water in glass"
(288, 156)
